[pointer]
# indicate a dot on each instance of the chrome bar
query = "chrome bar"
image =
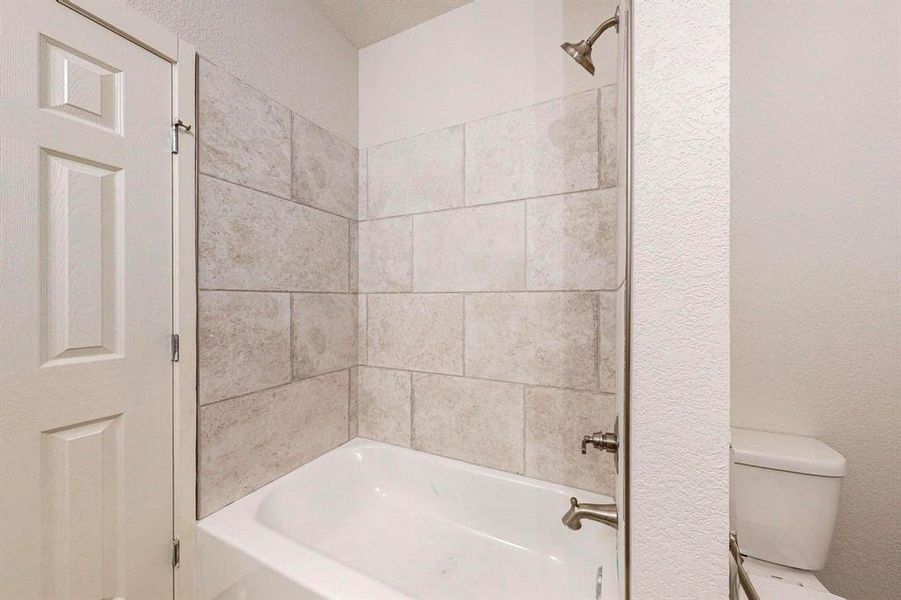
(742, 575)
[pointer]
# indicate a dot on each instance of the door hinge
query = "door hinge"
(175, 127)
(176, 552)
(175, 344)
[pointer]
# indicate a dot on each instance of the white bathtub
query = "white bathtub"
(369, 520)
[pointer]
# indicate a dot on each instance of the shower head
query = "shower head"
(581, 51)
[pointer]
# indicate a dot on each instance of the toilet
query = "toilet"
(784, 500)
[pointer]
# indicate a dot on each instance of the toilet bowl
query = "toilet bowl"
(784, 500)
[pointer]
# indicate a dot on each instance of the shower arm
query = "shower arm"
(611, 22)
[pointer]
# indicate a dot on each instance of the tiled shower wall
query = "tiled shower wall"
(487, 276)
(277, 312)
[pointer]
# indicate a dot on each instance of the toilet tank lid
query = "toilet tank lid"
(784, 452)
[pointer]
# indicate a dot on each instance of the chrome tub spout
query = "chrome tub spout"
(602, 513)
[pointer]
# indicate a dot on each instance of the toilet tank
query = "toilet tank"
(785, 491)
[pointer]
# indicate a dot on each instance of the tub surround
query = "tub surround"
(454, 292)
(488, 275)
(277, 305)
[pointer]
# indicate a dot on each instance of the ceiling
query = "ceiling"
(365, 22)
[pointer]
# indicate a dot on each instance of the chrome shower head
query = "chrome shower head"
(581, 51)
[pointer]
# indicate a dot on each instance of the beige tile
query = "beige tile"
(249, 441)
(363, 187)
(548, 148)
(243, 343)
(542, 338)
(572, 241)
(353, 401)
(354, 256)
(324, 332)
(384, 405)
(362, 354)
(385, 255)
(470, 249)
(469, 419)
(248, 240)
(607, 96)
(420, 332)
(325, 169)
(416, 174)
(607, 341)
(556, 420)
(244, 136)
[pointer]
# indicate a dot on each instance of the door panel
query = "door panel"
(86, 309)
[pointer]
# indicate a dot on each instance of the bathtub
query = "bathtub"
(374, 521)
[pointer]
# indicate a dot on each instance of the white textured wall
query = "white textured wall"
(284, 48)
(680, 318)
(481, 59)
(816, 255)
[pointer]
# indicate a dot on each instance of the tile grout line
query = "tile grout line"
(423, 293)
(486, 204)
(412, 408)
(274, 387)
(488, 379)
(464, 335)
(412, 250)
(524, 428)
(493, 115)
(525, 236)
(291, 153)
(276, 196)
(291, 333)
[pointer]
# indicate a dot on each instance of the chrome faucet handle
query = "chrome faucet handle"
(602, 441)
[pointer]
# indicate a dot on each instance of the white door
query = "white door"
(86, 309)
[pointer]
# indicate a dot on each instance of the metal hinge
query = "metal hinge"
(176, 552)
(175, 127)
(175, 343)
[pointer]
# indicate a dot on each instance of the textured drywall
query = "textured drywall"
(284, 48)
(481, 59)
(816, 256)
(680, 312)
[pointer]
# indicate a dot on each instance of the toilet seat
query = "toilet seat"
(776, 582)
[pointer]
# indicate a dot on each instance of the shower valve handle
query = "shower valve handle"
(602, 441)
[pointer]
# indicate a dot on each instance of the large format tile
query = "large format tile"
(253, 241)
(469, 419)
(243, 343)
(363, 186)
(556, 420)
(324, 332)
(384, 405)
(245, 137)
(607, 340)
(607, 96)
(420, 332)
(352, 403)
(385, 255)
(416, 174)
(542, 338)
(362, 354)
(325, 169)
(247, 442)
(548, 148)
(470, 249)
(354, 256)
(572, 241)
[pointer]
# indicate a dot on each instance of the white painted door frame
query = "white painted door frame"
(137, 28)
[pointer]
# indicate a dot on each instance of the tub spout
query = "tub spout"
(602, 513)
